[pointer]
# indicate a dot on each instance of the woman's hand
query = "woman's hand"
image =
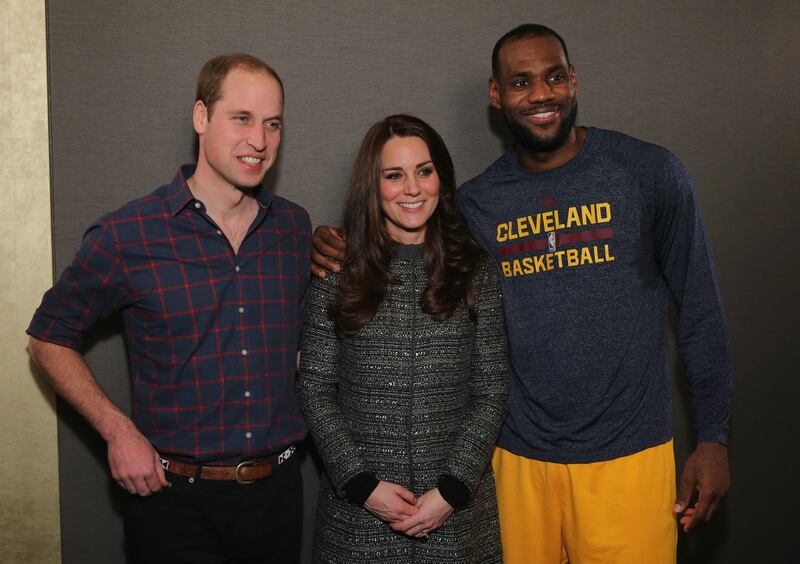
(391, 502)
(432, 512)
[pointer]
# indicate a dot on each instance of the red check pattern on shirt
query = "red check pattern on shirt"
(212, 335)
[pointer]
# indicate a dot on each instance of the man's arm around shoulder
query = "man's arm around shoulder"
(133, 461)
(329, 247)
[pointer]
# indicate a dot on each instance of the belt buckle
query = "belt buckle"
(241, 465)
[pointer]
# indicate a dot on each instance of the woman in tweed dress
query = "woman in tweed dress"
(404, 365)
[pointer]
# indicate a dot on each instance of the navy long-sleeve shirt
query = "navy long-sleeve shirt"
(589, 255)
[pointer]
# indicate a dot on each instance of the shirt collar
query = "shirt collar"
(179, 195)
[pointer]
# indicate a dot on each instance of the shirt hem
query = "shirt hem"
(586, 457)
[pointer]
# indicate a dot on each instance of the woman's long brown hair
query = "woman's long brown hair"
(451, 255)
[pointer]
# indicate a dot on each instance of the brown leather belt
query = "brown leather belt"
(246, 472)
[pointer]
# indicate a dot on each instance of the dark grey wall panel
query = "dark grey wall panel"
(714, 81)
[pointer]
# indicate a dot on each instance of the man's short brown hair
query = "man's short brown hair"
(214, 72)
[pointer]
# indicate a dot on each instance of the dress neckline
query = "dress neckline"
(403, 251)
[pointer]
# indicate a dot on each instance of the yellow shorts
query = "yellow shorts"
(617, 511)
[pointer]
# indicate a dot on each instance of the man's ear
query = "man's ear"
(494, 94)
(573, 77)
(200, 117)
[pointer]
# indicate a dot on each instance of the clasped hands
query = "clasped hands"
(405, 513)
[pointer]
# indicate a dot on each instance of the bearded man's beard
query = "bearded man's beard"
(527, 140)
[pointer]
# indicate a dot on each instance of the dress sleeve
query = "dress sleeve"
(684, 256)
(89, 289)
(472, 446)
(318, 388)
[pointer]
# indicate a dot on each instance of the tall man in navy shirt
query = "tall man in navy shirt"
(209, 272)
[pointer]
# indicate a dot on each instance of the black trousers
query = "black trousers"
(216, 522)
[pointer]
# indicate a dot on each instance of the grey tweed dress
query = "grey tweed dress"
(408, 398)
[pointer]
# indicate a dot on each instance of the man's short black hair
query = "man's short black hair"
(521, 32)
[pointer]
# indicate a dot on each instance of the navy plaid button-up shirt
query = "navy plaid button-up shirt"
(212, 335)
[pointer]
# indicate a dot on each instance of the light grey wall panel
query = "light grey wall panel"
(714, 81)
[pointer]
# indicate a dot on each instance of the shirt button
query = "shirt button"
(244, 352)
(198, 205)
(248, 435)
(219, 232)
(247, 394)
(237, 268)
(241, 309)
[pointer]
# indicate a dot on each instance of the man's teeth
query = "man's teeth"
(544, 114)
(413, 206)
(250, 160)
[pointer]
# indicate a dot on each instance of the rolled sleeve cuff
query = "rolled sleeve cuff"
(52, 330)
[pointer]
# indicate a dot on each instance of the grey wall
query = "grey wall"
(715, 81)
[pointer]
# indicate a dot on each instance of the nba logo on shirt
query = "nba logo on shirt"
(551, 241)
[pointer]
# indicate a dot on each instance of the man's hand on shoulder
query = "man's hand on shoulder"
(329, 249)
(706, 470)
(134, 463)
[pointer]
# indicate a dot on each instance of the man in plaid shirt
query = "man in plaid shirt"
(209, 273)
